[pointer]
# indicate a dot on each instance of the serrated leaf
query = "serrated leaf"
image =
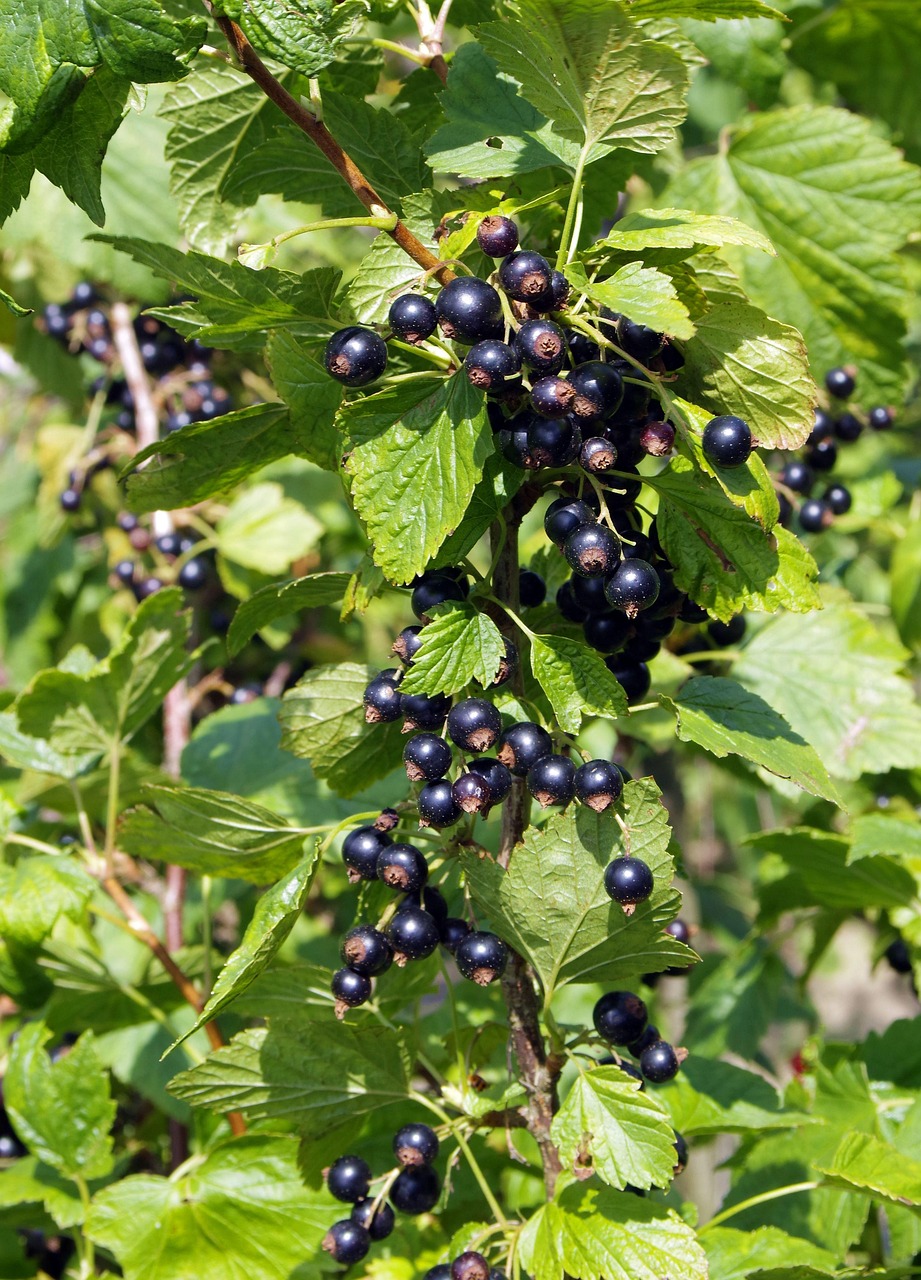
(576, 681)
(834, 677)
(869, 1164)
(265, 530)
(386, 270)
(874, 833)
(736, 1255)
(312, 396)
(709, 1097)
(607, 1126)
(36, 891)
(302, 34)
(677, 229)
(646, 295)
(722, 717)
(322, 720)
(501, 481)
(461, 644)
(552, 906)
(749, 486)
(279, 600)
(820, 874)
(30, 1181)
(417, 453)
(705, 10)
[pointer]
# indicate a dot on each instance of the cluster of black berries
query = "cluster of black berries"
(621, 1019)
(171, 558)
(800, 476)
(469, 1265)
(414, 1189)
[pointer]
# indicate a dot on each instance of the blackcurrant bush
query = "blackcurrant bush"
(415, 1144)
(437, 806)
(426, 758)
(347, 1241)
(620, 1017)
(491, 363)
(815, 515)
(592, 551)
(657, 439)
(628, 881)
(840, 383)
(848, 427)
(638, 340)
(728, 633)
(360, 851)
(567, 604)
(453, 932)
(527, 277)
(598, 390)
(422, 712)
(898, 956)
(496, 776)
(532, 589)
(797, 476)
(497, 236)
(433, 590)
(599, 784)
(881, 418)
(350, 989)
(402, 867)
(597, 455)
(838, 498)
(474, 724)
(70, 500)
(378, 1223)
(564, 516)
(551, 397)
(355, 356)
(416, 1189)
(553, 442)
(124, 571)
(481, 957)
(412, 317)
(541, 345)
(413, 934)
(472, 793)
(194, 575)
(469, 310)
(823, 455)
(552, 780)
(633, 677)
(633, 586)
(522, 745)
(606, 632)
(727, 441)
(659, 1063)
(408, 643)
(382, 699)
(823, 425)
(366, 950)
(349, 1179)
(470, 1266)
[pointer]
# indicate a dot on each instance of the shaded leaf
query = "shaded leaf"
(279, 600)
(461, 644)
(576, 680)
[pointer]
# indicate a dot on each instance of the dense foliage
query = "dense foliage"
(460, 770)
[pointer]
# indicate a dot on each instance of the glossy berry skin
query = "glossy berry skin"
(469, 310)
(527, 277)
(657, 439)
(426, 758)
(598, 390)
(606, 632)
(490, 364)
(797, 476)
(620, 1017)
(416, 1189)
(422, 712)
(435, 590)
(453, 932)
(497, 236)
(628, 881)
(633, 677)
(659, 1063)
(474, 724)
(650, 1036)
(552, 780)
(567, 604)
(481, 957)
(840, 383)
(541, 345)
(347, 1241)
(532, 589)
(553, 442)
(440, 1272)
(437, 806)
(898, 956)
(838, 498)
(633, 586)
(599, 784)
(495, 774)
(727, 633)
(349, 1179)
(513, 445)
(848, 428)
(597, 455)
(470, 1266)
(881, 418)
(681, 1154)
(823, 426)
(727, 441)
(823, 455)
(355, 356)
(147, 587)
(815, 515)
(193, 575)
(415, 1144)
(592, 551)
(366, 950)
(551, 397)
(471, 792)
(360, 851)
(522, 745)
(168, 544)
(124, 571)
(70, 500)
(413, 934)
(680, 931)
(382, 699)
(378, 1225)
(402, 867)
(564, 516)
(638, 340)
(589, 593)
(408, 643)
(412, 317)
(350, 988)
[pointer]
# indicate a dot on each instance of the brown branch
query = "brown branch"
(342, 162)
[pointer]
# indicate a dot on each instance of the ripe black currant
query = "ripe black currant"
(541, 346)
(620, 1017)
(355, 356)
(440, 1272)
(823, 425)
(628, 881)
(469, 310)
(560, 289)
(898, 956)
(522, 745)
(527, 277)
(422, 712)
(416, 1189)
(727, 633)
(413, 934)
(513, 441)
(350, 989)
(589, 593)
(597, 455)
(598, 390)
(124, 571)
(366, 950)
(551, 397)
(497, 236)
(681, 1154)
(70, 500)
(360, 851)
(453, 932)
(508, 664)
(412, 317)
(881, 418)
(592, 551)
(659, 1062)
(797, 476)
(147, 587)
(433, 590)
(347, 1241)
(437, 806)
(606, 632)
(838, 498)
(470, 1266)
(567, 604)
(599, 784)
(378, 1223)
(496, 776)
(633, 586)
(532, 589)
(657, 438)
(402, 867)
(472, 793)
(349, 1179)
(491, 363)
(638, 340)
(650, 1035)
(679, 930)
(433, 902)
(815, 515)
(564, 516)
(426, 758)
(194, 574)
(727, 441)
(408, 643)
(553, 442)
(552, 780)
(823, 455)
(168, 544)
(481, 957)
(633, 677)
(581, 348)
(848, 427)
(474, 724)
(840, 383)
(382, 698)
(415, 1144)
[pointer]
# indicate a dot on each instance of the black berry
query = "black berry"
(408, 643)
(681, 1154)
(659, 1063)
(881, 418)
(551, 397)
(481, 957)
(470, 1266)
(347, 1241)
(453, 932)
(597, 455)
(413, 934)
(491, 363)
(194, 574)
(628, 881)
(679, 930)
(532, 589)
(378, 1223)
(472, 793)
(433, 590)
(840, 383)
(366, 950)
(727, 633)
(727, 441)
(552, 780)
(474, 724)
(838, 498)
(527, 277)
(598, 390)
(360, 851)
(823, 455)
(633, 677)
(496, 776)
(415, 1144)
(147, 587)
(350, 989)
(898, 956)
(349, 1179)
(606, 632)
(70, 500)
(422, 712)
(797, 476)
(437, 806)
(620, 1017)
(553, 442)
(592, 551)
(560, 289)
(469, 310)
(402, 867)
(651, 1035)
(815, 515)
(416, 1189)
(426, 758)
(568, 605)
(599, 784)
(848, 428)
(541, 345)
(638, 340)
(632, 587)
(440, 1272)
(657, 438)
(522, 745)
(124, 571)
(382, 699)
(564, 516)
(412, 317)
(355, 356)
(589, 593)
(497, 236)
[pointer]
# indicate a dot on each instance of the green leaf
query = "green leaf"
(735, 1002)
(644, 294)
(868, 1164)
(247, 1191)
(303, 34)
(677, 229)
(276, 914)
(834, 677)
(459, 645)
(322, 720)
(586, 67)
(62, 1111)
(705, 10)
(551, 904)
(23, 752)
(386, 270)
(307, 1073)
(501, 481)
(265, 530)
(30, 1181)
(905, 585)
(709, 1097)
(312, 397)
(722, 717)
(592, 1233)
(724, 560)
(37, 891)
(836, 277)
(874, 833)
(736, 1255)
(820, 874)
(608, 1127)
(12, 305)
(281, 599)
(417, 453)
(749, 52)
(749, 486)
(211, 832)
(576, 681)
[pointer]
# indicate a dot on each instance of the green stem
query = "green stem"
(14, 837)
(443, 361)
(381, 222)
(792, 1189)
(573, 214)
(85, 1247)
(468, 1156)
(206, 936)
(112, 806)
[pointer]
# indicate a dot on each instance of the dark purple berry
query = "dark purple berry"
(124, 571)
(551, 397)
(366, 950)
(727, 441)
(527, 277)
(838, 498)
(881, 418)
(426, 758)
(620, 1017)
(470, 1266)
(597, 455)
(681, 1154)
(378, 1223)
(415, 1144)
(416, 1189)
(632, 587)
(728, 633)
(481, 957)
(350, 989)
(560, 289)
(382, 699)
(423, 712)
(194, 575)
(348, 1179)
(679, 930)
(497, 236)
(360, 851)
(815, 515)
(898, 956)
(598, 390)
(490, 364)
(848, 428)
(541, 346)
(606, 632)
(413, 934)
(469, 310)
(651, 1035)
(552, 780)
(412, 317)
(453, 932)
(147, 587)
(347, 1241)
(532, 589)
(70, 500)
(592, 551)
(474, 724)
(589, 593)
(599, 784)
(659, 1063)
(657, 439)
(633, 677)
(496, 776)
(628, 881)
(840, 383)
(437, 806)
(472, 793)
(522, 745)
(402, 867)
(433, 590)
(638, 340)
(568, 605)
(797, 476)
(823, 455)
(408, 643)
(355, 356)
(553, 442)
(564, 516)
